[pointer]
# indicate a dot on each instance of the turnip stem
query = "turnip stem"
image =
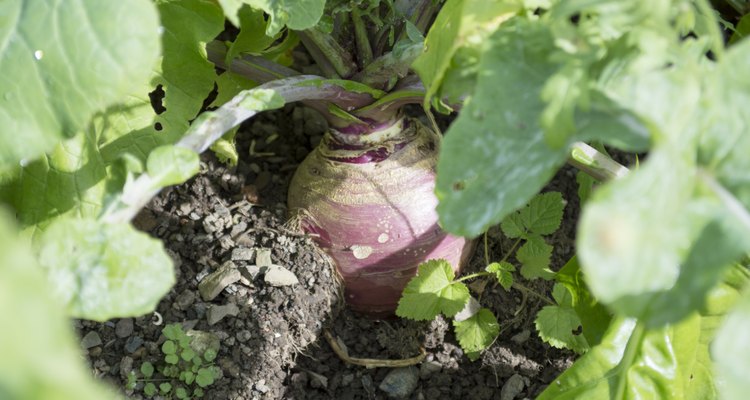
(364, 49)
(255, 68)
(594, 163)
(333, 59)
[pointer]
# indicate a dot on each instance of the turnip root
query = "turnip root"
(367, 195)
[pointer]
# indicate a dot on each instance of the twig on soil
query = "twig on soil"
(371, 362)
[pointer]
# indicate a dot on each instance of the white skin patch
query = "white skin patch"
(361, 252)
(383, 238)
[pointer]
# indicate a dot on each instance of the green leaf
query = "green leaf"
(168, 347)
(198, 392)
(171, 165)
(503, 273)
(535, 256)
(252, 38)
(60, 65)
(431, 292)
(96, 273)
(132, 381)
(731, 350)
(147, 369)
(594, 317)
(187, 354)
(210, 355)
(226, 149)
(741, 30)
(41, 357)
(149, 390)
(184, 76)
(165, 387)
(477, 333)
(172, 359)
(457, 21)
(542, 216)
(229, 85)
(492, 163)
(295, 14)
(560, 325)
(204, 377)
(585, 186)
(188, 377)
(181, 393)
(173, 331)
(231, 8)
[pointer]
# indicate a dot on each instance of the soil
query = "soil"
(274, 348)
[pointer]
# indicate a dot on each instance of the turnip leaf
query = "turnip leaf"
(96, 273)
(295, 14)
(432, 292)
(61, 65)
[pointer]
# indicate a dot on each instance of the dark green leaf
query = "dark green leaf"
(595, 318)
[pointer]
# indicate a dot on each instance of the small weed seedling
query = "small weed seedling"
(187, 368)
(436, 290)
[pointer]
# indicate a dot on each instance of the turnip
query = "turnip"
(367, 195)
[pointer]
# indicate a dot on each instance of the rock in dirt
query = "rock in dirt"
(428, 368)
(521, 337)
(263, 258)
(318, 381)
(133, 343)
(512, 387)
(280, 276)
(400, 382)
(91, 339)
(126, 365)
(214, 283)
(124, 327)
(184, 300)
(250, 272)
(242, 254)
(217, 313)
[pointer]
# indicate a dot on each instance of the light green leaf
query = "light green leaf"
(560, 325)
(731, 350)
(226, 149)
(41, 358)
(171, 165)
(60, 65)
(542, 216)
(295, 14)
(229, 85)
(135, 127)
(594, 317)
(149, 390)
(491, 163)
(477, 333)
(171, 359)
(147, 369)
(635, 231)
(165, 387)
(204, 377)
(460, 22)
(252, 38)
(168, 347)
(503, 273)
(231, 10)
(173, 331)
(431, 292)
(585, 186)
(535, 256)
(96, 273)
(181, 392)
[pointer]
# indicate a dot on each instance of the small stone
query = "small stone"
(428, 368)
(214, 283)
(242, 254)
(261, 386)
(512, 387)
(263, 258)
(124, 327)
(250, 272)
(318, 381)
(91, 339)
(95, 351)
(347, 379)
(217, 313)
(280, 276)
(400, 382)
(184, 300)
(126, 365)
(133, 343)
(299, 380)
(521, 337)
(244, 336)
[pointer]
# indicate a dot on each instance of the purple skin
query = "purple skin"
(375, 215)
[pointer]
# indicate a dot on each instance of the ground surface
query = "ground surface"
(274, 347)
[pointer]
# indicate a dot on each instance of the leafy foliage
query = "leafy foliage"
(433, 291)
(188, 365)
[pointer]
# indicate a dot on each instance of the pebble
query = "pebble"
(216, 313)
(280, 276)
(347, 379)
(133, 343)
(184, 300)
(91, 339)
(263, 258)
(428, 368)
(318, 381)
(250, 272)
(299, 379)
(95, 352)
(512, 387)
(400, 382)
(214, 283)
(124, 327)
(126, 365)
(242, 254)
(261, 386)
(521, 337)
